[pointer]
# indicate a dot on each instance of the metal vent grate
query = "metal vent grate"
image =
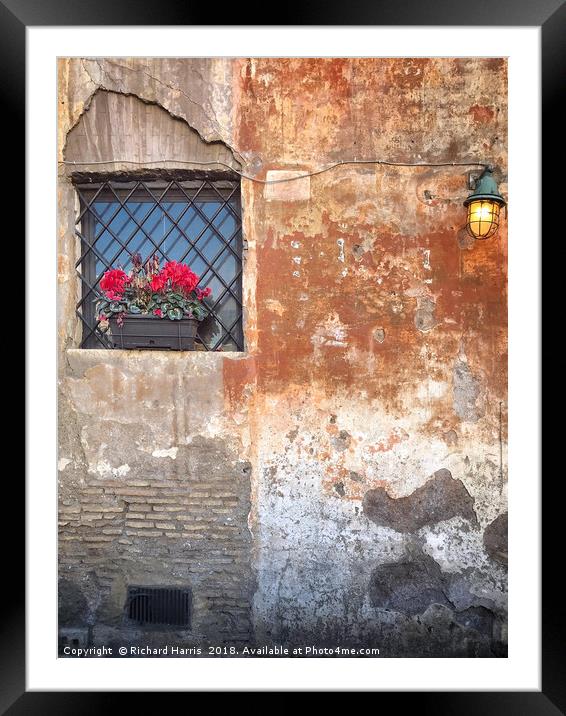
(195, 221)
(168, 606)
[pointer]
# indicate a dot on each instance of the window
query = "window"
(195, 221)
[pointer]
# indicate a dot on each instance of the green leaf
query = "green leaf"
(175, 314)
(135, 309)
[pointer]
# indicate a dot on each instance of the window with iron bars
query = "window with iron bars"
(196, 221)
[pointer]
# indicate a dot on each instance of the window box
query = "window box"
(144, 332)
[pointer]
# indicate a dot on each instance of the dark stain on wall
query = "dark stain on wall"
(408, 587)
(418, 589)
(440, 498)
(73, 606)
(495, 539)
(479, 618)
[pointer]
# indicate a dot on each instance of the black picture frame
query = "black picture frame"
(549, 15)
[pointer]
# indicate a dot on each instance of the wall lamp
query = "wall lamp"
(484, 205)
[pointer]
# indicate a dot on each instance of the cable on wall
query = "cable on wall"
(294, 178)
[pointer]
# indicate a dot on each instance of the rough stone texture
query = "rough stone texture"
(376, 343)
(440, 498)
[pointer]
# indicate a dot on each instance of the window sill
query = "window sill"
(81, 359)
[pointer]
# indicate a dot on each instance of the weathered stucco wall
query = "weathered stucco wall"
(347, 475)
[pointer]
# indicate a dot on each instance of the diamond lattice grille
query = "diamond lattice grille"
(194, 222)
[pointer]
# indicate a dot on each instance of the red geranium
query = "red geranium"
(181, 276)
(158, 282)
(113, 283)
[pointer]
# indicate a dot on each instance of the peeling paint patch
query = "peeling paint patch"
(466, 387)
(170, 452)
(94, 138)
(424, 315)
(62, 463)
(342, 441)
(275, 306)
(379, 335)
(339, 488)
(105, 469)
(432, 389)
(294, 190)
(388, 442)
(358, 251)
(332, 332)
(63, 265)
(341, 256)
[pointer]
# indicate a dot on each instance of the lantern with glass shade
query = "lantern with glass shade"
(484, 206)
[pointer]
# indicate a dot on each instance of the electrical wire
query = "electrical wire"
(293, 178)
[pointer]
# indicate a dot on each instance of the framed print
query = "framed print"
(282, 409)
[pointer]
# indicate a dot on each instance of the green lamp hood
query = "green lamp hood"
(486, 188)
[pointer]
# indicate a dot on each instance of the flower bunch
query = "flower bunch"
(113, 283)
(181, 276)
(170, 292)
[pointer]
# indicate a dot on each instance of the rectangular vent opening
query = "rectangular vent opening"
(166, 606)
